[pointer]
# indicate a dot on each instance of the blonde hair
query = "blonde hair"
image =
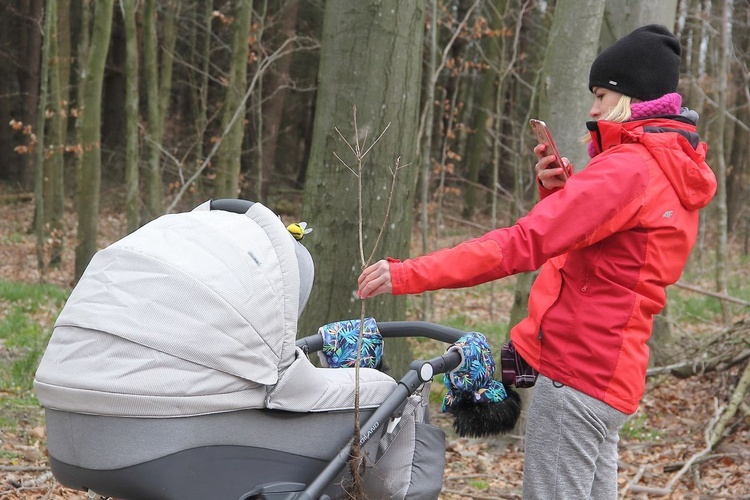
(619, 113)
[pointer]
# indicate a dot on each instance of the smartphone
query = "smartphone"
(543, 136)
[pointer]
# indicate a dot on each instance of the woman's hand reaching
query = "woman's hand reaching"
(550, 178)
(374, 280)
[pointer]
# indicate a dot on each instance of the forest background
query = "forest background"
(113, 113)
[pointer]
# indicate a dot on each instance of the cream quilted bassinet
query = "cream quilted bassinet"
(173, 371)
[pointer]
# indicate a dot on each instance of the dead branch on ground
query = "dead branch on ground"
(724, 350)
(714, 433)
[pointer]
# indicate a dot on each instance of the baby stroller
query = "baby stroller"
(173, 371)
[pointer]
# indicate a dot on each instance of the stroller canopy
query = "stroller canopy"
(193, 313)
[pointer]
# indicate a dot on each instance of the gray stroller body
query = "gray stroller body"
(174, 371)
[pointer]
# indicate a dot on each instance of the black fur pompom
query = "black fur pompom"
(486, 419)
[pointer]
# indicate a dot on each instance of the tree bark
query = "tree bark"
(230, 152)
(273, 109)
(30, 50)
(152, 206)
(50, 19)
(623, 16)
(90, 179)
(132, 158)
(720, 200)
(739, 157)
(201, 57)
(371, 58)
(54, 162)
(8, 158)
(564, 97)
(477, 150)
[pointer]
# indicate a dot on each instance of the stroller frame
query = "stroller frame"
(420, 371)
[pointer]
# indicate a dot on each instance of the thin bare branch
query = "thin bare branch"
(376, 140)
(344, 163)
(346, 141)
(387, 211)
(262, 67)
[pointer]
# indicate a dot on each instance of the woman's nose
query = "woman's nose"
(594, 111)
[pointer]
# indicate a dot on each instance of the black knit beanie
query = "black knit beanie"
(644, 64)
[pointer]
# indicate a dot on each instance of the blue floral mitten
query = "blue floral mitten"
(340, 344)
(481, 405)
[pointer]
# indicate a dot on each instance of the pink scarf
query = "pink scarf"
(668, 104)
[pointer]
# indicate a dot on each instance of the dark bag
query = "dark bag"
(516, 371)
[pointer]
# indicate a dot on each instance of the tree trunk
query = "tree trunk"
(477, 150)
(132, 198)
(8, 157)
(623, 16)
(54, 161)
(564, 97)
(273, 110)
(233, 112)
(739, 158)
(694, 37)
(90, 179)
(166, 61)
(722, 69)
(28, 76)
(157, 74)
(371, 58)
(201, 57)
(49, 33)
(426, 127)
(152, 180)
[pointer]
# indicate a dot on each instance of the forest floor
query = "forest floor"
(666, 432)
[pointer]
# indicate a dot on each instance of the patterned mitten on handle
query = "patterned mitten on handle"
(340, 344)
(481, 406)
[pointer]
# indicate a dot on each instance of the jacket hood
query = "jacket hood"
(674, 143)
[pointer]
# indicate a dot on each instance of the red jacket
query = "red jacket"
(608, 243)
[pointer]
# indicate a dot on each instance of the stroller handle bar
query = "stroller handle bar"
(234, 205)
(396, 329)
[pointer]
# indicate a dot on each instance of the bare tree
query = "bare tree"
(230, 152)
(564, 97)
(623, 16)
(157, 75)
(271, 110)
(132, 156)
(49, 23)
(54, 190)
(356, 56)
(89, 181)
(725, 50)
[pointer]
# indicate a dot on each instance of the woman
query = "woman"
(609, 240)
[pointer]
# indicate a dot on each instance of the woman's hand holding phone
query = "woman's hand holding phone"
(550, 174)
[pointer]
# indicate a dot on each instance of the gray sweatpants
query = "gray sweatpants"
(571, 445)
